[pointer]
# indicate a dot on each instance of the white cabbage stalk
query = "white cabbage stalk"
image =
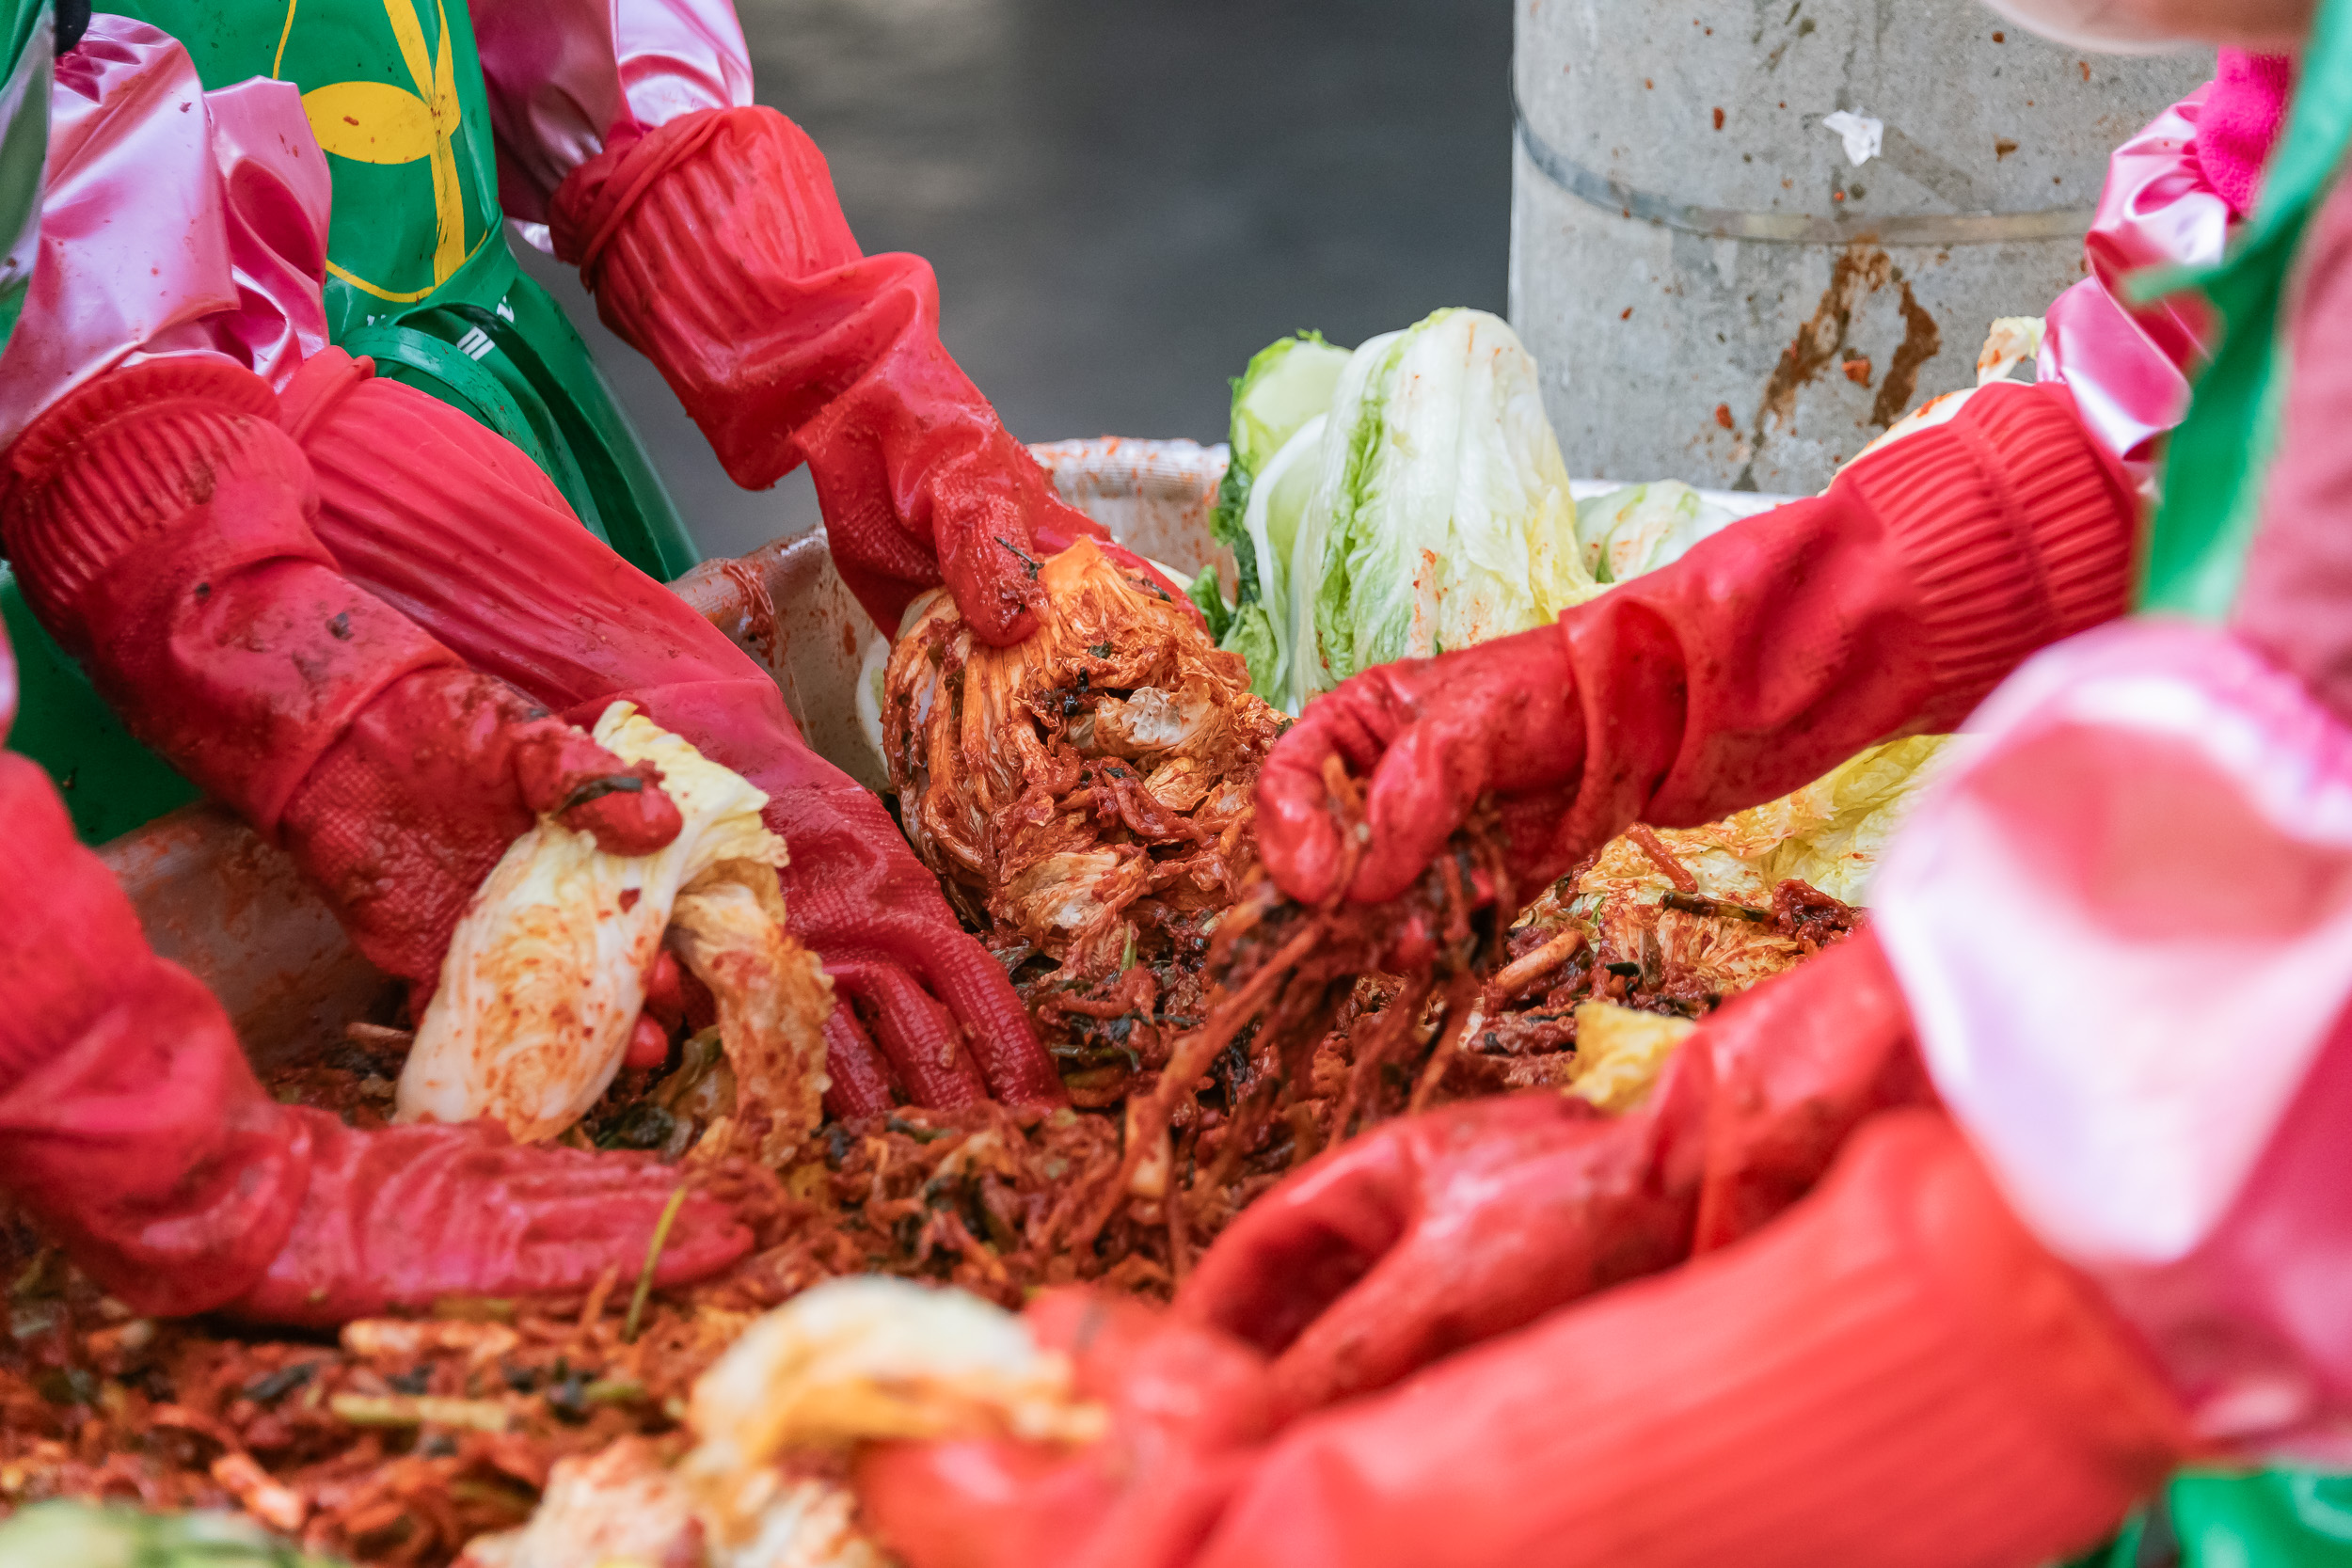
(545, 976)
(1358, 385)
(728, 928)
(1277, 500)
(622, 1508)
(1286, 385)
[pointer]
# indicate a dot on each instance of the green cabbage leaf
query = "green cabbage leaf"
(1285, 384)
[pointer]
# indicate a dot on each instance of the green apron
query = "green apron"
(24, 38)
(2217, 461)
(2285, 1518)
(2214, 468)
(419, 277)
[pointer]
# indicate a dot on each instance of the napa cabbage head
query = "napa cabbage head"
(1644, 526)
(1440, 515)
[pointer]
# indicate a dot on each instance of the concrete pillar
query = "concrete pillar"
(1715, 292)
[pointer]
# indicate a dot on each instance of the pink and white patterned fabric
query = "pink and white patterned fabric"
(569, 78)
(2129, 367)
(2125, 928)
(2124, 923)
(178, 221)
(175, 222)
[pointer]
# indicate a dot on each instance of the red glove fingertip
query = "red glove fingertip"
(1297, 841)
(993, 581)
(561, 771)
(629, 812)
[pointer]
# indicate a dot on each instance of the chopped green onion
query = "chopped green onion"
(653, 1257)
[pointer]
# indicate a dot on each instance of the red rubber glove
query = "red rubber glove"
(455, 526)
(131, 1129)
(1436, 1231)
(1767, 656)
(158, 520)
(716, 246)
(1894, 1373)
(1188, 1409)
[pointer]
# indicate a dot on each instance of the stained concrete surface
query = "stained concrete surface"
(1125, 198)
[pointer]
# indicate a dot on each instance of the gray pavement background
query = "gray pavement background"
(1125, 198)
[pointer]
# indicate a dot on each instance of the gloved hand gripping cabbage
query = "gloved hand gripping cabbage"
(135, 1133)
(545, 979)
(1085, 796)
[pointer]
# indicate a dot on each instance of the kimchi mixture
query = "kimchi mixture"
(1085, 799)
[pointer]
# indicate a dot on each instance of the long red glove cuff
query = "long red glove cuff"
(119, 460)
(715, 245)
(145, 1145)
(2016, 530)
(1889, 606)
(1896, 1372)
(159, 521)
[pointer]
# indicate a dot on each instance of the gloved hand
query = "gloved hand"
(400, 1216)
(1895, 1374)
(1432, 735)
(403, 820)
(1188, 1409)
(450, 522)
(1770, 653)
(158, 520)
(1436, 1231)
(716, 246)
(131, 1129)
